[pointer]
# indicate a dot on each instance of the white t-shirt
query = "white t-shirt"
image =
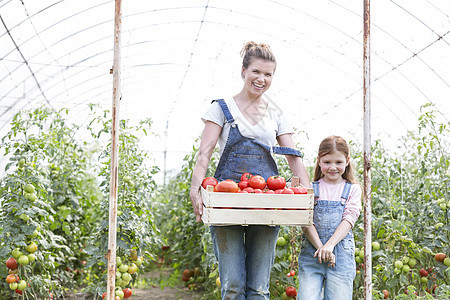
(273, 124)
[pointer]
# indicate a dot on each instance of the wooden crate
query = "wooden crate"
(257, 209)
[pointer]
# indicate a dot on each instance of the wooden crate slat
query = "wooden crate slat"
(213, 216)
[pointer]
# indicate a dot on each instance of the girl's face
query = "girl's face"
(333, 166)
(258, 76)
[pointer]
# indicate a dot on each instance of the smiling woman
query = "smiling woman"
(246, 126)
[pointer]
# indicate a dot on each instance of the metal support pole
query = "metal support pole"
(367, 159)
(112, 236)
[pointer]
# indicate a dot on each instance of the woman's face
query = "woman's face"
(258, 76)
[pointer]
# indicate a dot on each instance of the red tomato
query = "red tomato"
(11, 263)
(246, 176)
(104, 295)
(279, 191)
(276, 182)
(227, 186)
(18, 291)
(209, 181)
(299, 190)
(267, 191)
(291, 291)
(243, 184)
(292, 273)
(257, 182)
(257, 191)
(287, 191)
(248, 190)
(127, 293)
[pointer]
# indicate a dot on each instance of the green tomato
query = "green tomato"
(126, 277)
(118, 275)
(376, 246)
(359, 260)
(120, 294)
(423, 279)
(29, 188)
(13, 285)
(22, 285)
(118, 261)
(398, 264)
(405, 259)
(361, 254)
(440, 200)
(412, 262)
(31, 257)
(443, 206)
(30, 196)
(138, 262)
(397, 270)
(21, 161)
(281, 241)
(447, 261)
(23, 260)
(16, 253)
(123, 268)
(405, 268)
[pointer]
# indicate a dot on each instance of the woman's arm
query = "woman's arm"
(210, 136)
(295, 163)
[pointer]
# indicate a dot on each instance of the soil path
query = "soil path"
(154, 292)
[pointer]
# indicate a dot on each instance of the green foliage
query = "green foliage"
(46, 160)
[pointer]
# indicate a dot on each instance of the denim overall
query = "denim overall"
(320, 281)
(245, 253)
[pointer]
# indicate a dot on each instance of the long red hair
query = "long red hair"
(329, 145)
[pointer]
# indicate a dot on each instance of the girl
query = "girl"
(246, 126)
(327, 264)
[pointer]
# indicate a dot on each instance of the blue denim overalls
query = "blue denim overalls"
(337, 282)
(245, 253)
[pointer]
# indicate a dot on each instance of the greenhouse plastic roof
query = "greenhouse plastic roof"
(179, 55)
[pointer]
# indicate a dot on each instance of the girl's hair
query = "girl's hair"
(329, 145)
(253, 50)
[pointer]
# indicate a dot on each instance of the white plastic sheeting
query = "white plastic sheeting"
(179, 55)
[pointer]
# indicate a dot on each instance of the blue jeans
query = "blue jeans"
(246, 255)
(336, 282)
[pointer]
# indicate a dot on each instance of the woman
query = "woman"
(246, 127)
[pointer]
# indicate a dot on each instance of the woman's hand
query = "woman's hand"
(197, 203)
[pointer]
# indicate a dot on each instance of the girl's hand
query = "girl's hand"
(325, 253)
(197, 203)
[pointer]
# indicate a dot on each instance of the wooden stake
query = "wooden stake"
(112, 237)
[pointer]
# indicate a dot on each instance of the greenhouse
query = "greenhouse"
(102, 125)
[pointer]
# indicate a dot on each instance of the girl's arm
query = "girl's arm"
(295, 163)
(210, 136)
(326, 251)
(313, 238)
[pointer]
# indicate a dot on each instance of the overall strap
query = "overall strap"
(225, 110)
(286, 151)
(346, 191)
(315, 185)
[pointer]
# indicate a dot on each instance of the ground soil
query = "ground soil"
(153, 292)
